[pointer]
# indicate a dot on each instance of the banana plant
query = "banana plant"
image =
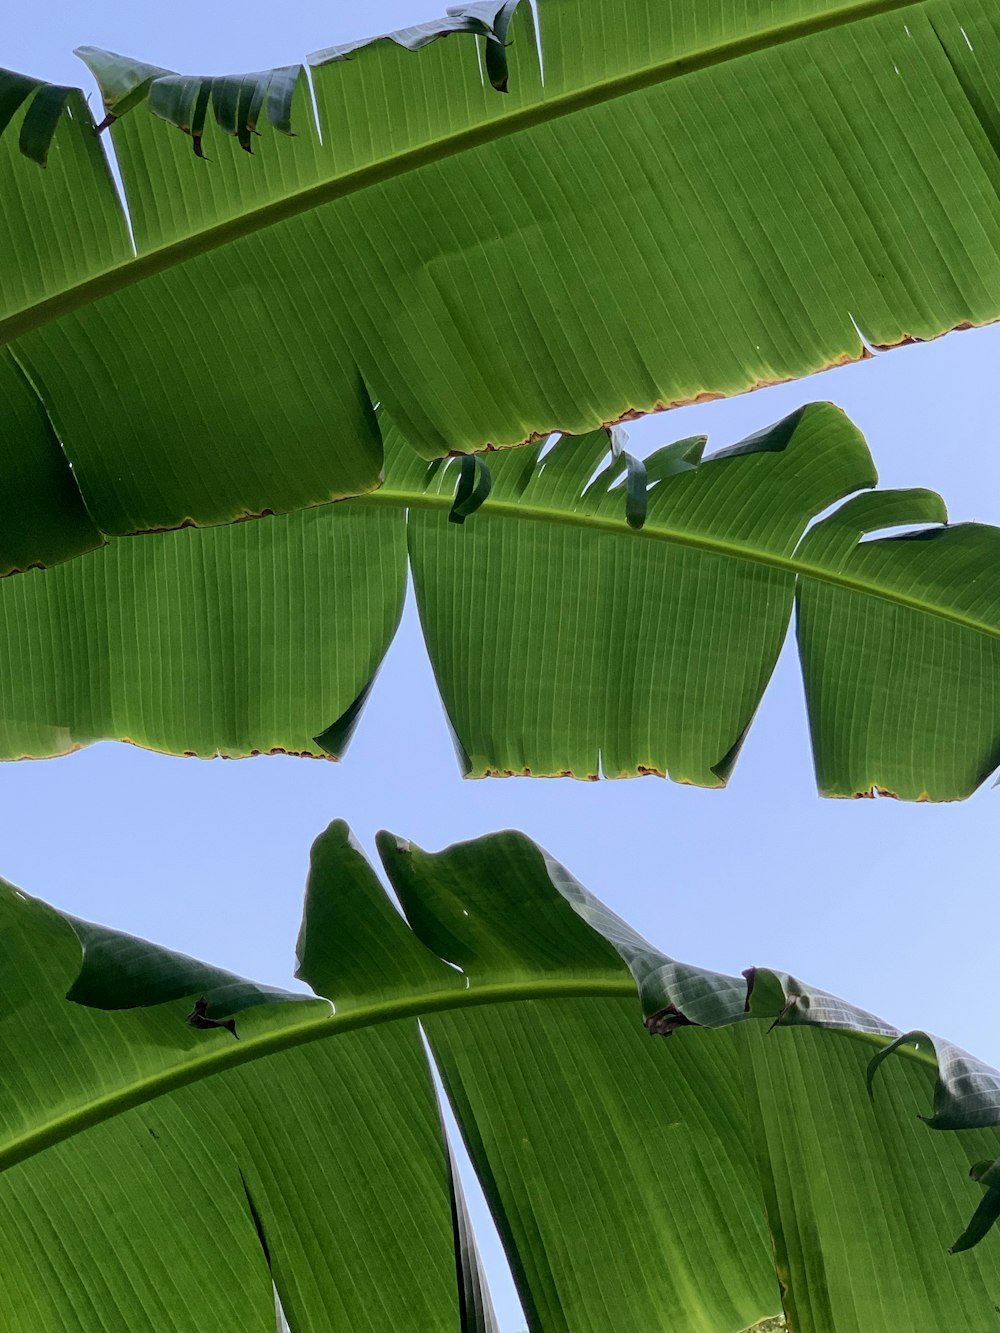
(661, 1146)
(585, 619)
(494, 236)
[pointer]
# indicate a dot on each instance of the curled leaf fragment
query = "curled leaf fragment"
(496, 47)
(238, 100)
(14, 89)
(123, 82)
(474, 486)
(986, 1174)
(47, 104)
(482, 18)
(41, 121)
(636, 481)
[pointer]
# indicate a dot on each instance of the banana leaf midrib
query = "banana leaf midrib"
(404, 499)
(228, 1053)
(136, 269)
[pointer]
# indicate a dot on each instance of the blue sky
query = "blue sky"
(889, 905)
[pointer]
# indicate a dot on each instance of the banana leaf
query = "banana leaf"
(662, 201)
(180, 1148)
(565, 638)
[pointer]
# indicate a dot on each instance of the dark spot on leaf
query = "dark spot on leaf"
(198, 1018)
(666, 1021)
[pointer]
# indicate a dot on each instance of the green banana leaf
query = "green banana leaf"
(565, 640)
(180, 1148)
(671, 200)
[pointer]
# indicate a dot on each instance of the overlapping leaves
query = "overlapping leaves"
(636, 1183)
(564, 639)
(625, 234)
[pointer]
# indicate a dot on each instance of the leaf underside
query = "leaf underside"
(563, 640)
(636, 1183)
(487, 267)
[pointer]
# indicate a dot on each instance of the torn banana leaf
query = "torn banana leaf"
(564, 639)
(247, 639)
(694, 200)
(160, 1172)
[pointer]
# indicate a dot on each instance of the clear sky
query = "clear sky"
(887, 904)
